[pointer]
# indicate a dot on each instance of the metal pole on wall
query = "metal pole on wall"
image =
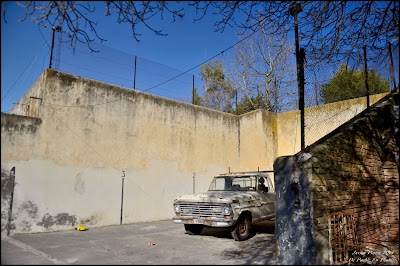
(192, 89)
(122, 196)
(366, 74)
(392, 67)
(52, 47)
(11, 200)
(236, 101)
(134, 75)
(294, 10)
(58, 28)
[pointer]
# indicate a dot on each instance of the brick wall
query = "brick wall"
(351, 171)
(356, 172)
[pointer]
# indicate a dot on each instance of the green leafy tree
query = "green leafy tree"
(349, 84)
(218, 91)
(247, 104)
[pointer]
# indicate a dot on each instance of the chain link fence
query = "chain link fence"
(322, 112)
(102, 63)
(108, 65)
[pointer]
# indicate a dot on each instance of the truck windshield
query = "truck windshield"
(233, 183)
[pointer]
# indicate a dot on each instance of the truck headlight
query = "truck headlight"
(177, 208)
(226, 210)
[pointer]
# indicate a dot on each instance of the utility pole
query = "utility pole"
(294, 10)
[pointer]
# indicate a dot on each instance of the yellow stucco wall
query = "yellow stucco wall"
(318, 120)
(89, 134)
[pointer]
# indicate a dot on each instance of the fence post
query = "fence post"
(366, 74)
(236, 101)
(52, 46)
(58, 28)
(392, 67)
(192, 89)
(134, 75)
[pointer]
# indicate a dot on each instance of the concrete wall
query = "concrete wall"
(318, 120)
(70, 170)
(257, 141)
(74, 142)
(352, 170)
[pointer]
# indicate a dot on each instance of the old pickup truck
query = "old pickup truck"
(233, 200)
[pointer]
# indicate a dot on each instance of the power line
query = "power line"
(23, 72)
(204, 61)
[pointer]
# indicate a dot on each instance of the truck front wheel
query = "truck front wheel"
(241, 230)
(193, 229)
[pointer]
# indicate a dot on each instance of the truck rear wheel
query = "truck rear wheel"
(193, 229)
(241, 230)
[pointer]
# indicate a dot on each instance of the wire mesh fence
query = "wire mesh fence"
(339, 81)
(108, 65)
(115, 67)
(112, 66)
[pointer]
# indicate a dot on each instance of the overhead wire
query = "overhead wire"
(222, 52)
(185, 72)
(23, 72)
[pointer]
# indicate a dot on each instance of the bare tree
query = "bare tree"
(262, 71)
(329, 30)
(75, 17)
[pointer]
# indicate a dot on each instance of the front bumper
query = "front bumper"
(209, 221)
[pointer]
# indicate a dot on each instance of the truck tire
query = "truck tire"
(241, 230)
(193, 229)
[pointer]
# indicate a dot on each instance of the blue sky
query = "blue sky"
(25, 50)
(25, 47)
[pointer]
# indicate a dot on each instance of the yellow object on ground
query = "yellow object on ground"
(81, 228)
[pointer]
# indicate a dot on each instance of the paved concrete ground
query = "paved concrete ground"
(128, 244)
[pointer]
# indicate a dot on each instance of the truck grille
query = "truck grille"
(201, 209)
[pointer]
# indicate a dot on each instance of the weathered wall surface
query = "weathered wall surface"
(31, 102)
(318, 120)
(19, 135)
(7, 188)
(257, 141)
(353, 171)
(85, 141)
(70, 170)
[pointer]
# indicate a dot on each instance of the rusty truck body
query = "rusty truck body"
(233, 200)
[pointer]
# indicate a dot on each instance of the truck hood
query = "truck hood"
(219, 197)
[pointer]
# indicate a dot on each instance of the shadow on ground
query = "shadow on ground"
(259, 249)
(266, 227)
